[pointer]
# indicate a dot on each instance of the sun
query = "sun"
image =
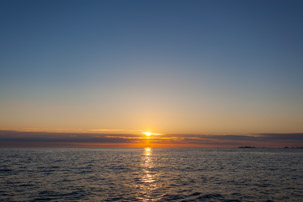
(147, 133)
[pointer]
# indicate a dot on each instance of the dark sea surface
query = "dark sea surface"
(72, 174)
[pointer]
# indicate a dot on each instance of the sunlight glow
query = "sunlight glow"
(147, 150)
(147, 133)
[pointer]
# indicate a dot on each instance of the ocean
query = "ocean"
(150, 174)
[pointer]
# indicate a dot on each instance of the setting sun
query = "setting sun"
(147, 133)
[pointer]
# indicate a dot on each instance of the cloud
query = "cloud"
(258, 140)
(20, 136)
(281, 136)
(109, 130)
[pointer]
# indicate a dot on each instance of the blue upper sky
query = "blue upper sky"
(173, 66)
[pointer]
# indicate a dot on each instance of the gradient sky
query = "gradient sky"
(172, 67)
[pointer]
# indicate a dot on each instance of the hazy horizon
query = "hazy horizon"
(139, 140)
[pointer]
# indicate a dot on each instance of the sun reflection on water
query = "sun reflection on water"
(148, 176)
(148, 164)
(147, 151)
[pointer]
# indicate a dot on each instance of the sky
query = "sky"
(177, 68)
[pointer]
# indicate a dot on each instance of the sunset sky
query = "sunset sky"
(99, 73)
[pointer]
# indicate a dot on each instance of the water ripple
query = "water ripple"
(151, 175)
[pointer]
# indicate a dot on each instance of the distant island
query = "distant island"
(246, 147)
(252, 147)
(293, 147)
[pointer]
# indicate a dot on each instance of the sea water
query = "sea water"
(150, 174)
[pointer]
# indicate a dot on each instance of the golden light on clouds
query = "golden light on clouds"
(150, 134)
(147, 133)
